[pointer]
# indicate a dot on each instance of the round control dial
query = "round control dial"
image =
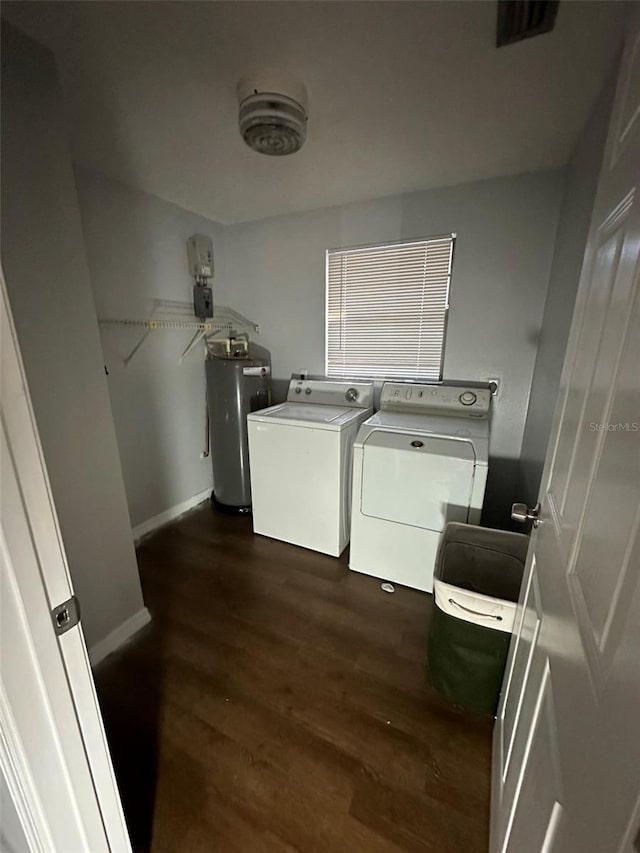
(467, 398)
(307, 391)
(298, 389)
(352, 394)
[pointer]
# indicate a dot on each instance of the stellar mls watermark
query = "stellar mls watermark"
(620, 426)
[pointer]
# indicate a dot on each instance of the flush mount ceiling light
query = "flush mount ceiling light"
(271, 122)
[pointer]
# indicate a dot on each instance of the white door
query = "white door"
(567, 738)
(53, 754)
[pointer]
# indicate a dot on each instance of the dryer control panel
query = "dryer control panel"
(458, 400)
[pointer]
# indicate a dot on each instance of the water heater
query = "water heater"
(238, 382)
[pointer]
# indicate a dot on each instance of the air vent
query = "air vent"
(523, 19)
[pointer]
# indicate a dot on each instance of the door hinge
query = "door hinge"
(66, 615)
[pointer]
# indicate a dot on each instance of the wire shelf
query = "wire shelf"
(176, 314)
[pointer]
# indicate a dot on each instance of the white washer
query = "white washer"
(418, 463)
(300, 455)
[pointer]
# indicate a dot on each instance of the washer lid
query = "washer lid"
(316, 416)
(300, 412)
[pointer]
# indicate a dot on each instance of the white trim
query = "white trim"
(19, 781)
(53, 752)
(119, 635)
(168, 515)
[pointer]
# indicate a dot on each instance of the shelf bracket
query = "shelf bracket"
(199, 335)
(152, 326)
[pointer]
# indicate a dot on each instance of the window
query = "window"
(387, 309)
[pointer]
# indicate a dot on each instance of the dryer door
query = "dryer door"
(416, 479)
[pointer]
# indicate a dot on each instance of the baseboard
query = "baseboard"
(119, 635)
(168, 515)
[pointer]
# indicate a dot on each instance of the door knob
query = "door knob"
(522, 513)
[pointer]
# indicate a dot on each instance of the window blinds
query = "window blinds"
(387, 309)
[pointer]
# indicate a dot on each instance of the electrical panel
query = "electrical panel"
(202, 301)
(200, 254)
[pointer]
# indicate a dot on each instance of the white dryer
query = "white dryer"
(418, 463)
(300, 458)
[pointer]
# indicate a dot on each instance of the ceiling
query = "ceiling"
(402, 95)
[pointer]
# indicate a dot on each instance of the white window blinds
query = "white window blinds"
(387, 309)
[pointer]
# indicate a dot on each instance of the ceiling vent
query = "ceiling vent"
(522, 19)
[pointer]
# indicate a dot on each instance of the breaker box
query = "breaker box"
(202, 301)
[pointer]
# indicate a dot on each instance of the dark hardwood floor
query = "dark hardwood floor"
(279, 702)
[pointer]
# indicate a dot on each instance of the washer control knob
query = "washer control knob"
(298, 389)
(352, 394)
(307, 391)
(467, 398)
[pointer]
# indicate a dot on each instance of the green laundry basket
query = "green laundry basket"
(477, 580)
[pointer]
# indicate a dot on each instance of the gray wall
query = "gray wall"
(506, 230)
(273, 271)
(136, 246)
(47, 278)
(573, 228)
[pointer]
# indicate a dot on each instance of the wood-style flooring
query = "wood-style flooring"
(280, 702)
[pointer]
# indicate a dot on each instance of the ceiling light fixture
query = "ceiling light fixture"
(271, 122)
